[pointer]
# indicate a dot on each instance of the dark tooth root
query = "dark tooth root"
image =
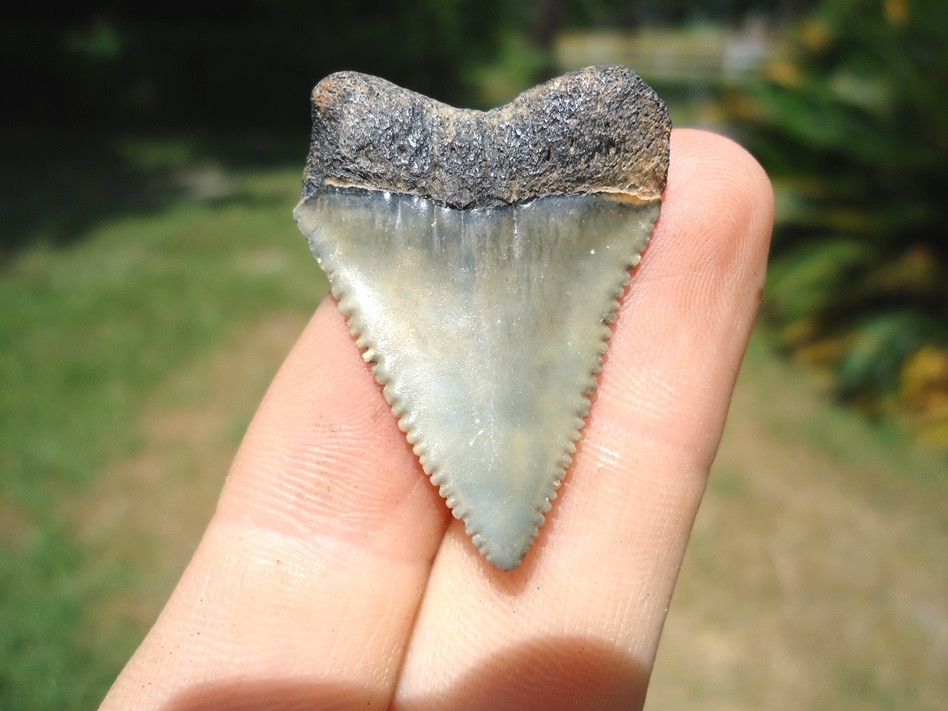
(517, 152)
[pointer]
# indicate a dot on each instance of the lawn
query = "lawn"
(137, 335)
(94, 326)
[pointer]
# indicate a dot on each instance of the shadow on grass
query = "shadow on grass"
(55, 184)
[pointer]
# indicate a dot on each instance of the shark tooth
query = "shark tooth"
(479, 258)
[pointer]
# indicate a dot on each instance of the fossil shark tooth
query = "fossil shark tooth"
(479, 258)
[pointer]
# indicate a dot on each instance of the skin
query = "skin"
(332, 575)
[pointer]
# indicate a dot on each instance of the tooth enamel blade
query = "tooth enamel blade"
(487, 328)
(479, 258)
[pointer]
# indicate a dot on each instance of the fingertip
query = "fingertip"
(726, 172)
(684, 325)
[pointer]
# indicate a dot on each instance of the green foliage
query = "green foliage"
(853, 126)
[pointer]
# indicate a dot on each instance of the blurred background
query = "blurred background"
(152, 279)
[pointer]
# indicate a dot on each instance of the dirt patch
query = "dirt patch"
(16, 529)
(145, 515)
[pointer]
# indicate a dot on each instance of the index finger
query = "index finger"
(305, 585)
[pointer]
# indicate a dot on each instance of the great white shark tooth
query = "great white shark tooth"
(479, 258)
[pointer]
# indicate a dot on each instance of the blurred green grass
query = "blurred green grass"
(90, 325)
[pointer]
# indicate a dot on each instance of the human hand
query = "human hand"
(333, 576)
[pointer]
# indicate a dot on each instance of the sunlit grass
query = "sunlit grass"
(87, 331)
